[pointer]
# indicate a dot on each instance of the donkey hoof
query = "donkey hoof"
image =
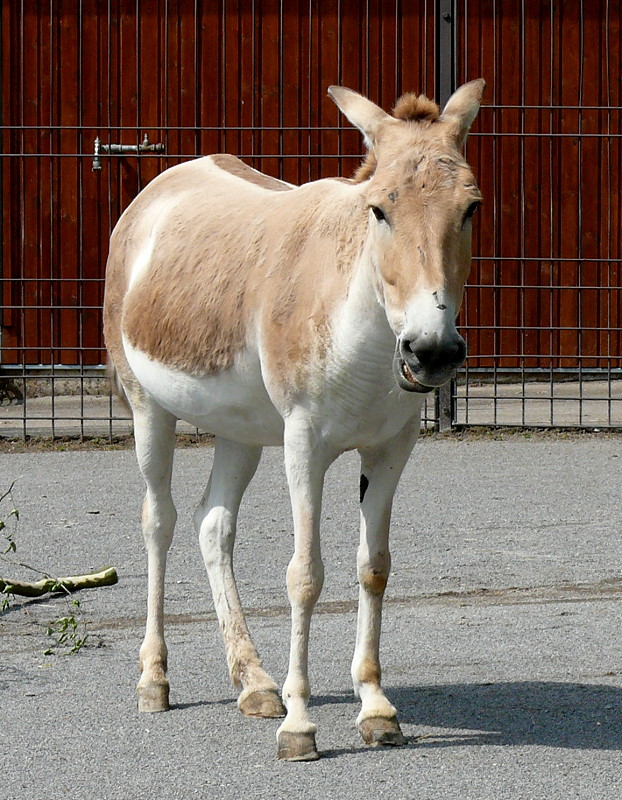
(381, 731)
(297, 746)
(264, 703)
(153, 697)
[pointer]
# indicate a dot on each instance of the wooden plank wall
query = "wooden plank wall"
(250, 78)
(546, 284)
(247, 78)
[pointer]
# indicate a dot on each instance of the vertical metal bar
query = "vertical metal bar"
(223, 81)
(80, 176)
(580, 212)
(397, 70)
(254, 148)
(367, 58)
(339, 81)
(22, 207)
(165, 48)
(445, 43)
(108, 105)
(54, 282)
(523, 242)
(197, 81)
(496, 314)
(609, 196)
(445, 83)
(465, 372)
(281, 79)
(310, 93)
(53, 183)
(256, 83)
(138, 120)
(553, 269)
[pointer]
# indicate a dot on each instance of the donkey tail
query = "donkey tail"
(116, 384)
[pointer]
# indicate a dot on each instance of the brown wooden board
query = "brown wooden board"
(546, 280)
(250, 78)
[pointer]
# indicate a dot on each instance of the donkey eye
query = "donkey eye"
(379, 214)
(471, 210)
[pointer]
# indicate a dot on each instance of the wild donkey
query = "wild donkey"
(315, 317)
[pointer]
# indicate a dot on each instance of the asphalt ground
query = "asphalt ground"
(502, 644)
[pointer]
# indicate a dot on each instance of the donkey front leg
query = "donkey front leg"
(215, 521)
(306, 464)
(154, 430)
(381, 468)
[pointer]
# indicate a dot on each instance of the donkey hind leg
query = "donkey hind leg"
(380, 472)
(154, 430)
(215, 521)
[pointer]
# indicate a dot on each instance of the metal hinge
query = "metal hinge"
(119, 149)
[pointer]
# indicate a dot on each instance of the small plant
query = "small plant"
(68, 633)
(8, 531)
(13, 515)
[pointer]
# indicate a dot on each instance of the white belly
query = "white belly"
(233, 404)
(350, 409)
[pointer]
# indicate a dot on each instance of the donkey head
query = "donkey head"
(421, 196)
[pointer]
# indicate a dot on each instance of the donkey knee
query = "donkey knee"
(373, 573)
(216, 532)
(304, 581)
(158, 520)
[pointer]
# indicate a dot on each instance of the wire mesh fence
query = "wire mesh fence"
(542, 314)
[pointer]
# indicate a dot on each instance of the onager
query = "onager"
(316, 317)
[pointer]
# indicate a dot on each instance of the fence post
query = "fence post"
(445, 85)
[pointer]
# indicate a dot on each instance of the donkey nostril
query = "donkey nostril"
(460, 351)
(433, 355)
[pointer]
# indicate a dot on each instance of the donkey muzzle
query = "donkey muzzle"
(422, 363)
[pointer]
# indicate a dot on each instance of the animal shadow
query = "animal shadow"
(550, 714)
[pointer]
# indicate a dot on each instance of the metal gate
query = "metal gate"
(99, 96)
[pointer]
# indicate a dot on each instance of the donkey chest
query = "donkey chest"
(363, 407)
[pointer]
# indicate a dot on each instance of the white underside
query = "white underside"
(354, 409)
(233, 404)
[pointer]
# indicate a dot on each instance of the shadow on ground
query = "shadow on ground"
(548, 714)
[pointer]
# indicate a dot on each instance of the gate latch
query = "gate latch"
(118, 149)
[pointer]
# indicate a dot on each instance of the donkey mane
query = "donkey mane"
(411, 107)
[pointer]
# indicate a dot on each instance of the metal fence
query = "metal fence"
(543, 311)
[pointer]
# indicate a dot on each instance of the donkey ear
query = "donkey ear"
(461, 109)
(362, 113)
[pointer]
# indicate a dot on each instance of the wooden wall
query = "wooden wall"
(250, 78)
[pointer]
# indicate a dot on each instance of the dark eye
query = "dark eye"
(471, 210)
(379, 214)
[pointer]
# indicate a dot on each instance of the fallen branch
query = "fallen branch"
(105, 577)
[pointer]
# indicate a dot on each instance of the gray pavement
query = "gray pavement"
(502, 644)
